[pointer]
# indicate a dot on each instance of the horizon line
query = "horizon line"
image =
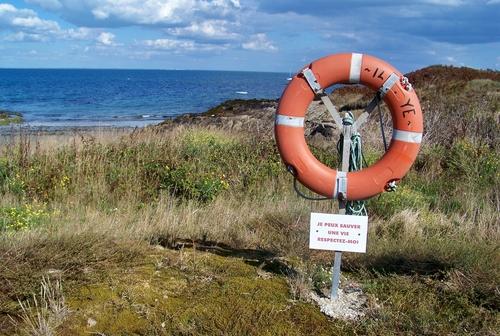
(139, 69)
(219, 70)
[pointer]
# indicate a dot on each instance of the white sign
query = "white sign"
(338, 232)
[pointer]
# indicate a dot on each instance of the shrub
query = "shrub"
(22, 217)
(181, 181)
(478, 164)
(389, 203)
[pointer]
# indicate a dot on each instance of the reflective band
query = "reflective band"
(340, 185)
(407, 136)
(355, 72)
(388, 84)
(284, 120)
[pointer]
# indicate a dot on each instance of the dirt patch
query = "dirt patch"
(349, 305)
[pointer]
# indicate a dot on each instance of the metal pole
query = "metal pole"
(346, 152)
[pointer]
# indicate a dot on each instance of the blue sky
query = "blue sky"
(253, 35)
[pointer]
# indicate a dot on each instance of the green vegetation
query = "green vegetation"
(22, 218)
(191, 231)
(7, 118)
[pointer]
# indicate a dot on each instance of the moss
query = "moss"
(196, 294)
(414, 305)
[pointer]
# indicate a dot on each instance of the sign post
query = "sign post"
(339, 232)
(346, 151)
(291, 116)
(348, 127)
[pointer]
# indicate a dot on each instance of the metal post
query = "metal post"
(346, 152)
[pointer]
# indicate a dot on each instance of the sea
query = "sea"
(61, 98)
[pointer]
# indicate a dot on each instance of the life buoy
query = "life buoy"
(406, 116)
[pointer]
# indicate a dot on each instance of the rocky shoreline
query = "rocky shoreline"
(456, 102)
(255, 115)
(441, 91)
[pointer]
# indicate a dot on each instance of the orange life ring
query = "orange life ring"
(406, 115)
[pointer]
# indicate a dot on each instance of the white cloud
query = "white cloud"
(208, 24)
(141, 12)
(169, 44)
(25, 37)
(81, 33)
(106, 39)
(25, 25)
(259, 42)
(353, 36)
(453, 60)
(25, 20)
(5, 7)
(178, 46)
(210, 30)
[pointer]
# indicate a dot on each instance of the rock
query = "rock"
(253, 115)
(91, 322)
(236, 115)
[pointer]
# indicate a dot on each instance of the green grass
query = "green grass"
(188, 292)
(7, 118)
(92, 209)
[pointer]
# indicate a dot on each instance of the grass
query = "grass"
(91, 210)
(7, 118)
(43, 315)
(191, 231)
(189, 295)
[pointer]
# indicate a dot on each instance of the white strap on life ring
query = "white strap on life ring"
(285, 120)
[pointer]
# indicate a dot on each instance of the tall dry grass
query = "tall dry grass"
(83, 201)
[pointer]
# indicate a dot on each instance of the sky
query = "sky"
(247, 35)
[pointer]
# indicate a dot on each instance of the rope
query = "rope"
(356, 160)
(301, 194)
(391, 186)
(297, 190)
(382, 126)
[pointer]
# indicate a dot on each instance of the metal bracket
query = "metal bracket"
(312, 81)
(332, 109)
(341, 189)
(368, 110)
(391, 186)
(318, 91)
(388, 84)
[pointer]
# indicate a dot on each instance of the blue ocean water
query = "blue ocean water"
(50, 97)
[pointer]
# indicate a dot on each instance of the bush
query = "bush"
(389, 203)
(181, 181)
(23, 217)
(477, 164)
(196, 165)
